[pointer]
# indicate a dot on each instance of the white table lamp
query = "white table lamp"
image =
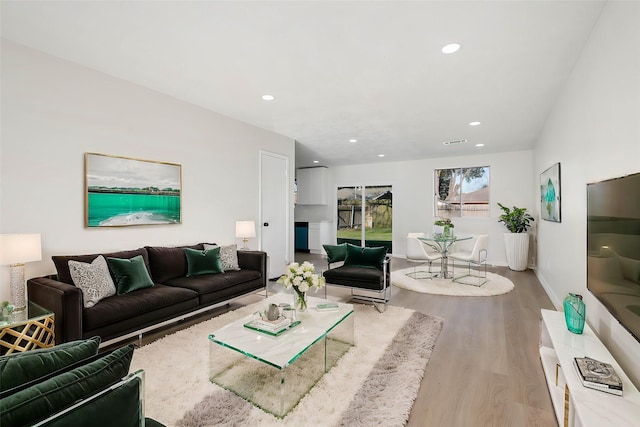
(244, 230)
(15, 250)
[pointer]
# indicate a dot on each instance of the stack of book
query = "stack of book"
(272, 326)
(598, 375)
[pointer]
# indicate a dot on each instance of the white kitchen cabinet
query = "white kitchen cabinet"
(319, 234)
(312, 186)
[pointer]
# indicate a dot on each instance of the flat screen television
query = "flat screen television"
(613, 247)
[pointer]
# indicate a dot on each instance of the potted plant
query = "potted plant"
(443, 226)
(517, 221)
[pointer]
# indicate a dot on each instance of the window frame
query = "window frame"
(460, 211)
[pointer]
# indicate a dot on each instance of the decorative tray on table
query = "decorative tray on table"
(271, 327)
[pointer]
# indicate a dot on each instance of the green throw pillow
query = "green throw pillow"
(130, 274)
(336, 253)
(203, 262)
(48, 397)
(365, 257)
(20, 368)
(120, 407)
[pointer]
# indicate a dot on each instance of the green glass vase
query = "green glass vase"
(574, 313)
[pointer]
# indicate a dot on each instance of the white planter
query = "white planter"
(517, 250)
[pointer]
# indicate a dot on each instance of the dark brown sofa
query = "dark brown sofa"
(173, 296)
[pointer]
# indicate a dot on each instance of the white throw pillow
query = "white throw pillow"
(93, 279)
(228, 256)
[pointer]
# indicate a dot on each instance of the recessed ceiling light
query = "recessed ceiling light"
(451, 48)
(456, 141)
(316, 161)
(380, 155)
(474, 123)
(268, 97)
(479, 145)
(353, 140)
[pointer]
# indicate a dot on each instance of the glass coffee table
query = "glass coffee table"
(275, 372)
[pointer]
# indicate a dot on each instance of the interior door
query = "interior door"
(274, 211)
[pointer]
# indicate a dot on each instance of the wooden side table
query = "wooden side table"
(26, 330)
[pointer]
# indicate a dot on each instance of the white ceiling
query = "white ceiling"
(338, 69)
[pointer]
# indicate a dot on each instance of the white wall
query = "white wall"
(54, 111)
(594, 132)
(413, 189)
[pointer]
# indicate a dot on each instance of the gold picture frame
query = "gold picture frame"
(124, 191)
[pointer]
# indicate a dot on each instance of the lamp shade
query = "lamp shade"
(19, 248)
(245, 229)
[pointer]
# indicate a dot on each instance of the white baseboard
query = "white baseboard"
(557, 303)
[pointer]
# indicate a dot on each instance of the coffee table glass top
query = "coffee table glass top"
(20, 317)
(284, 349)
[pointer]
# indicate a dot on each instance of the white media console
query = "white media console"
(574, 404)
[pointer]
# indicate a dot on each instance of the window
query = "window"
(376, 215)
(462, 192)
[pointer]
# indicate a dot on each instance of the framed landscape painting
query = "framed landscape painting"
(550, 194)
(121, 191)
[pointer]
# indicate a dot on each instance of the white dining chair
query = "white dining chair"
(476, 257)
(419, 254)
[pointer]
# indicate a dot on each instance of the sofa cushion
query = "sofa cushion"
(356, 277)
(336, 253)
(228, 256)
(62, 262)
(203, 262)
(50, 396)
(20, 368)
(119, 407)
(208, 283)
(122, 308)
(94, 279)
(130, 274)
(365, 257)
(168, 262)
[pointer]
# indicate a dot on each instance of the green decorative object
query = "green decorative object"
(516, 220)
(574, 313)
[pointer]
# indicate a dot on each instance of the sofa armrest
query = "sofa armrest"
(64, 300)
(254, 260)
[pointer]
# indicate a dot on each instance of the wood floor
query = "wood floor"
(485, 369)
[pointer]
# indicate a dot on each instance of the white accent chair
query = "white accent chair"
(418, 253)
(478, 257)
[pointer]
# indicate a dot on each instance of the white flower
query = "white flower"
(303, 287)
(302, 277)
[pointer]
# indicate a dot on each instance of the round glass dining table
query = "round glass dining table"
(442, 243)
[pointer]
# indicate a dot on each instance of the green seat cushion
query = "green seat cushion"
(120, 407)
(336, 253)
(203, 262)
(130, 274)
(50, 396)
(365, 257)
(20, 368)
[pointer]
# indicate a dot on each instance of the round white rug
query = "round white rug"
(496, 285)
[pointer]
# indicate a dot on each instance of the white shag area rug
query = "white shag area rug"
(495, 285)
(374, 383)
